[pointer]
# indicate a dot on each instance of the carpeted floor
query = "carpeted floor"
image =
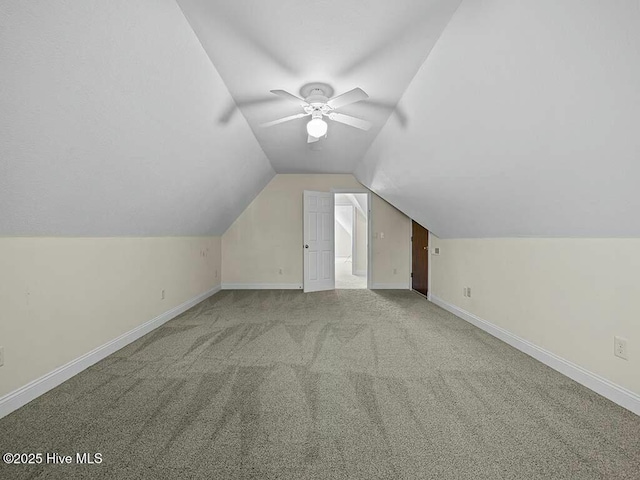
(344, 277)
(341, 384)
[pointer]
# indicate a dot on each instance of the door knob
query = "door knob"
(306, 246)
(424, 248)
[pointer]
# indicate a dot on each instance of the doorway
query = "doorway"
(351, 236)
(319, 240)
(419, 258)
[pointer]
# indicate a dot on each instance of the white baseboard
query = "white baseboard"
(617, 394)
(261, 286)
(390, 286)
(23, 395)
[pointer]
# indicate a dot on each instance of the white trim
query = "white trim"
(350, 190)
(354, 227)
(23, 395)
(617, 394)
(429, 261)
(360, 273)
(391, 286)
(261, 286)
(369, 240)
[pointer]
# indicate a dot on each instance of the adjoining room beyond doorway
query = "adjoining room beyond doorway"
(351, 240)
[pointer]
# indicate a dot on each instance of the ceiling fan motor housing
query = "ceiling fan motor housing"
(317, 98)
(317, 103)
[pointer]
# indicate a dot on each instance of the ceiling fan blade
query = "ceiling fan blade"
(352, 96)
(311, 139)
(351, 121)
(291, 97)
(285, 119)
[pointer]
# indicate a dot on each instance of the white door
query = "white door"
(319, 260)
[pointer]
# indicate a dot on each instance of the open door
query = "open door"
(319, 259)
(420, 258)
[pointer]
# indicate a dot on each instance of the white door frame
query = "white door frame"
(428, 266)
(369, 228)
(354, 221)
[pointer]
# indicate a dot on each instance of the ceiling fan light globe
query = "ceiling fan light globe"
(317, 128)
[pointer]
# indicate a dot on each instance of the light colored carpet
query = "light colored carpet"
(344, 277)
(341, 384)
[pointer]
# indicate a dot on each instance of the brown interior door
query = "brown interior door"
(420, 258)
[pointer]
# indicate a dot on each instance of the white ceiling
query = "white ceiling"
(108, 124)
(522, 121)
(525, 122)
(258, 46)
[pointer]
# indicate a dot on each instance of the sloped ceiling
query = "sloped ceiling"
(258, 46)
(523, 121)
(108, 124)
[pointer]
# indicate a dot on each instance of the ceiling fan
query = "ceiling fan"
(317, 105)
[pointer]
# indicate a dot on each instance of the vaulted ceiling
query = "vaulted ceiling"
(523, 121)
(490, 118)
(108, 124)
(258, 46)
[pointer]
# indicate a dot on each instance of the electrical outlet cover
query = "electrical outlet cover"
(620, 347)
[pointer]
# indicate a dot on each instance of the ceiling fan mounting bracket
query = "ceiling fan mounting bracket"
(315, 88)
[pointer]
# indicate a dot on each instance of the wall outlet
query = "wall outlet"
(620, 347)
(216, 273)
(395, 271)
(1, 356)
(381, 234)
(464, 291)
(280, 272)
(162, 294)
(469, 292)
(435, 251)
